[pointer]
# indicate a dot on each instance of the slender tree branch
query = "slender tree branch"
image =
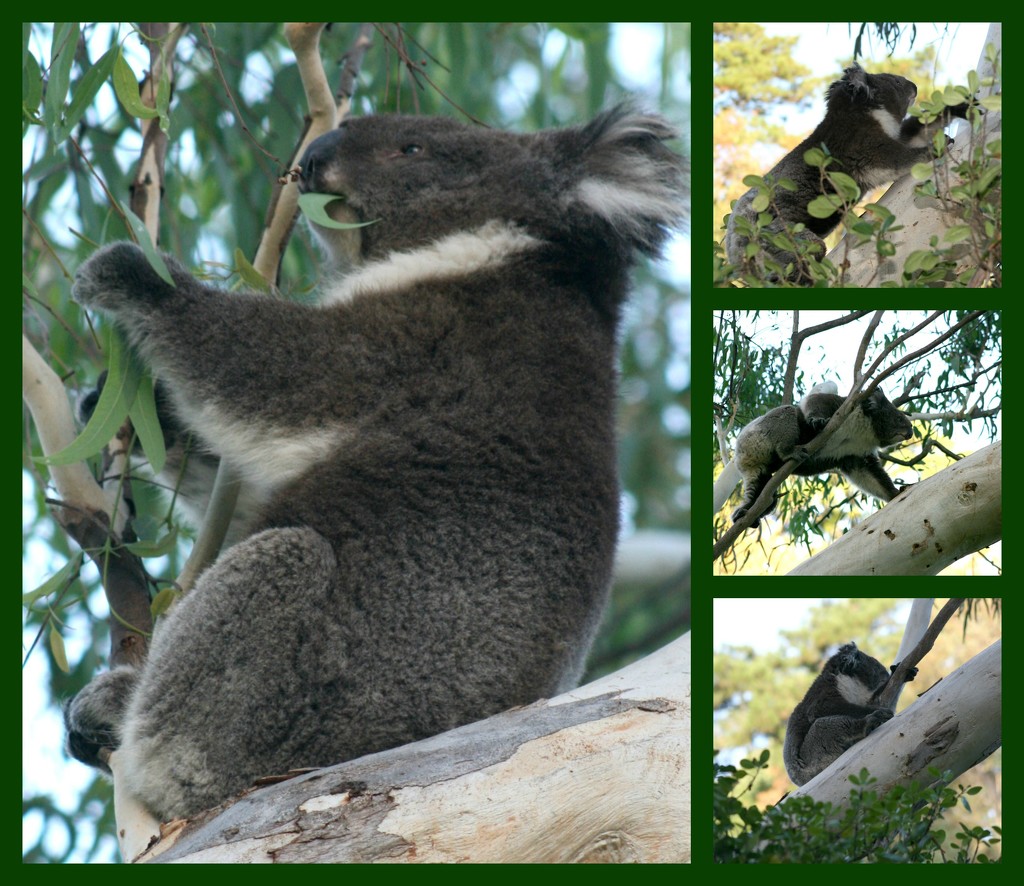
(899, 676)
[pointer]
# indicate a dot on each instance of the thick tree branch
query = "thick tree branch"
(953, 726)
(601, 773)
(926, 527)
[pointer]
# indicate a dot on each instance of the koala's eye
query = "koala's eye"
(409, 150)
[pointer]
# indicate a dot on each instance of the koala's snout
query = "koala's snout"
(317, 160)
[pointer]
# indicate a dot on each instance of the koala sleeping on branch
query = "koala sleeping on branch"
(429, 452)
(781, 434)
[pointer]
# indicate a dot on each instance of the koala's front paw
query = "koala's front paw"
(912, 672)
(876, 719)
(93, 717)
(798, 454)
(116, 274)
(962, 109)
(739, 513)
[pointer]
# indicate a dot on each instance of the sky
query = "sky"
(758, 621)
(821, 46)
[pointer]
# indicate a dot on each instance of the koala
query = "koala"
(867, 131)
(840, 709)
(765, 444)
(428, 451)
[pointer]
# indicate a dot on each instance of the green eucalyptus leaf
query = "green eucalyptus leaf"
(314, 205)
(126, 85)
(116, 398)
(55, 582)
(146, 423)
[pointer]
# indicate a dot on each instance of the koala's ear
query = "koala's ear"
(632, 179)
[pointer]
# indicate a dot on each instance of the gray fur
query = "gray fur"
(867, 131)
(769, 441)
(430, 452)
(839, 710)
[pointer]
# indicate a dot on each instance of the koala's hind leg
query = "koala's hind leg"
(751, 490)
(829, 737)
(243, 658)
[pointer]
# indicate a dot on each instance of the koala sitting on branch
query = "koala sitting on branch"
(840, 709)
(429, 452)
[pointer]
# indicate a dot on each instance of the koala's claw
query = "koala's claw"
(877, 718)
(798, 454)
(93, 717)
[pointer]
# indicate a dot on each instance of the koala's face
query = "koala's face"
(893, 93)
(850, 662)
(420, 178)
(858, 89)
(891, 424)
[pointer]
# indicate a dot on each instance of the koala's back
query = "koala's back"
(453, 554)
(483, 498)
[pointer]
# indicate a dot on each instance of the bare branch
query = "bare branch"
(864, 342)
(147, 186)
(324, 113)
(924, 645)
(47, 400)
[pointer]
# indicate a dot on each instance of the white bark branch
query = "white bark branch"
(651, 555)
(917, 623)
(601, 773)
(928, 526)
(47, 401)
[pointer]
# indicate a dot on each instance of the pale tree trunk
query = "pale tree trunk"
(650, 556)
(599, 774)
(955, 725)
(922, 218)
(926, 527)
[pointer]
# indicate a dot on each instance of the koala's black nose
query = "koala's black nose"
(317, 160)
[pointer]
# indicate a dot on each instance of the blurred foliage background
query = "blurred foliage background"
(235, 116)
